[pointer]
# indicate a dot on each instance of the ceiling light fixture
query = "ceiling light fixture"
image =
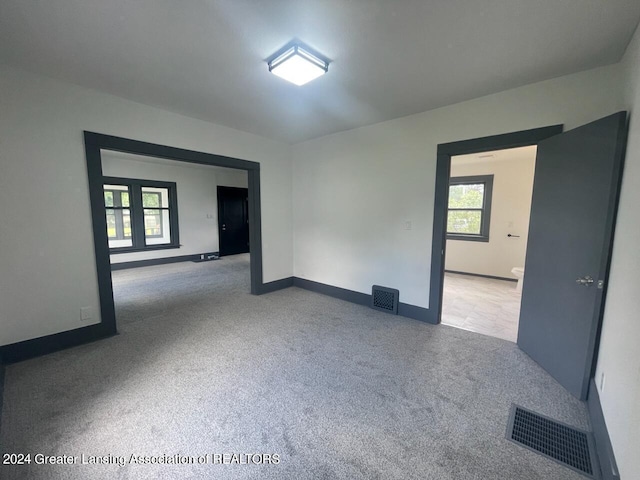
(298, 65)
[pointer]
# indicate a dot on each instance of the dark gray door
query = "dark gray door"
(575, 195)
(233, 220)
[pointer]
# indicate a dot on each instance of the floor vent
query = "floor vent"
(566, 445)
(385, 299)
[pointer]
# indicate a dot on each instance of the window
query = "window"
(140, 214)
(116, 201)
(469, 210)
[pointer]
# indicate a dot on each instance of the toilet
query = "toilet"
(518, 272)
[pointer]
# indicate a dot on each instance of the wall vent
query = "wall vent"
(385, 299)
(566, 445)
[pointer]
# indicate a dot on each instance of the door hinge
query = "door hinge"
(600, 284)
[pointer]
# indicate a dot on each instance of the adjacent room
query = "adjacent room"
(319, 239)
(487, 229)
(156, 207)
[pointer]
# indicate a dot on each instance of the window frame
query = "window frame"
(159, 208)
(118, 210)
(485, 210)
(137, 209)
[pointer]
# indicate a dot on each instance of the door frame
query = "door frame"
(223, 188)
(94, 143)
(521, 138)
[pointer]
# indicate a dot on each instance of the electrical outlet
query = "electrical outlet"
(408, 225)
(86, 313)
(602, 378)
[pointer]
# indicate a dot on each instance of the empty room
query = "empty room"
(319, 239)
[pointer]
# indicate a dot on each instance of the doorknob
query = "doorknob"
(586, 281)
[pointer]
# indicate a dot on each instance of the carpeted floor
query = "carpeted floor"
(337, 390)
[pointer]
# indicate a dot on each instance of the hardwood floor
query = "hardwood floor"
(482, 305)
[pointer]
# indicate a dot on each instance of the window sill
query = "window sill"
(113, 251)
(468, 238)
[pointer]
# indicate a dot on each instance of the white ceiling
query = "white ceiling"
(390, 58)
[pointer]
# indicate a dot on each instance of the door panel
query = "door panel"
(233, 220)
(573, 208)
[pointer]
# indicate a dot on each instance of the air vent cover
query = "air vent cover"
(385, 299)
(566, 445)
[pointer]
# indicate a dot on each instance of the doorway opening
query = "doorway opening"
(489, 204)
(163, 236)
(446, 152)
(153, 227)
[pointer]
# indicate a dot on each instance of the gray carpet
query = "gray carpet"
(335, 389)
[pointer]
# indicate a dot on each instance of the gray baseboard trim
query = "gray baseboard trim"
(483, 276)
(154, 261)
(604, 448)
(35, 347)
(275, 285)
(331, 291)
(417, 313)
(404, 309)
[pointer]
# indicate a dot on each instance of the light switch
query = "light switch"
(86, 313)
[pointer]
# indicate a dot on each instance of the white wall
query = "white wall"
(354, 191)
(619, 355)
(47, 261)
(196, 186)
(512, 172)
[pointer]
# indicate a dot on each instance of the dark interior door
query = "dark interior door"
(233, 220)
(575, 195)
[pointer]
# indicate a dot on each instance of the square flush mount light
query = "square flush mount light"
(298, 66)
